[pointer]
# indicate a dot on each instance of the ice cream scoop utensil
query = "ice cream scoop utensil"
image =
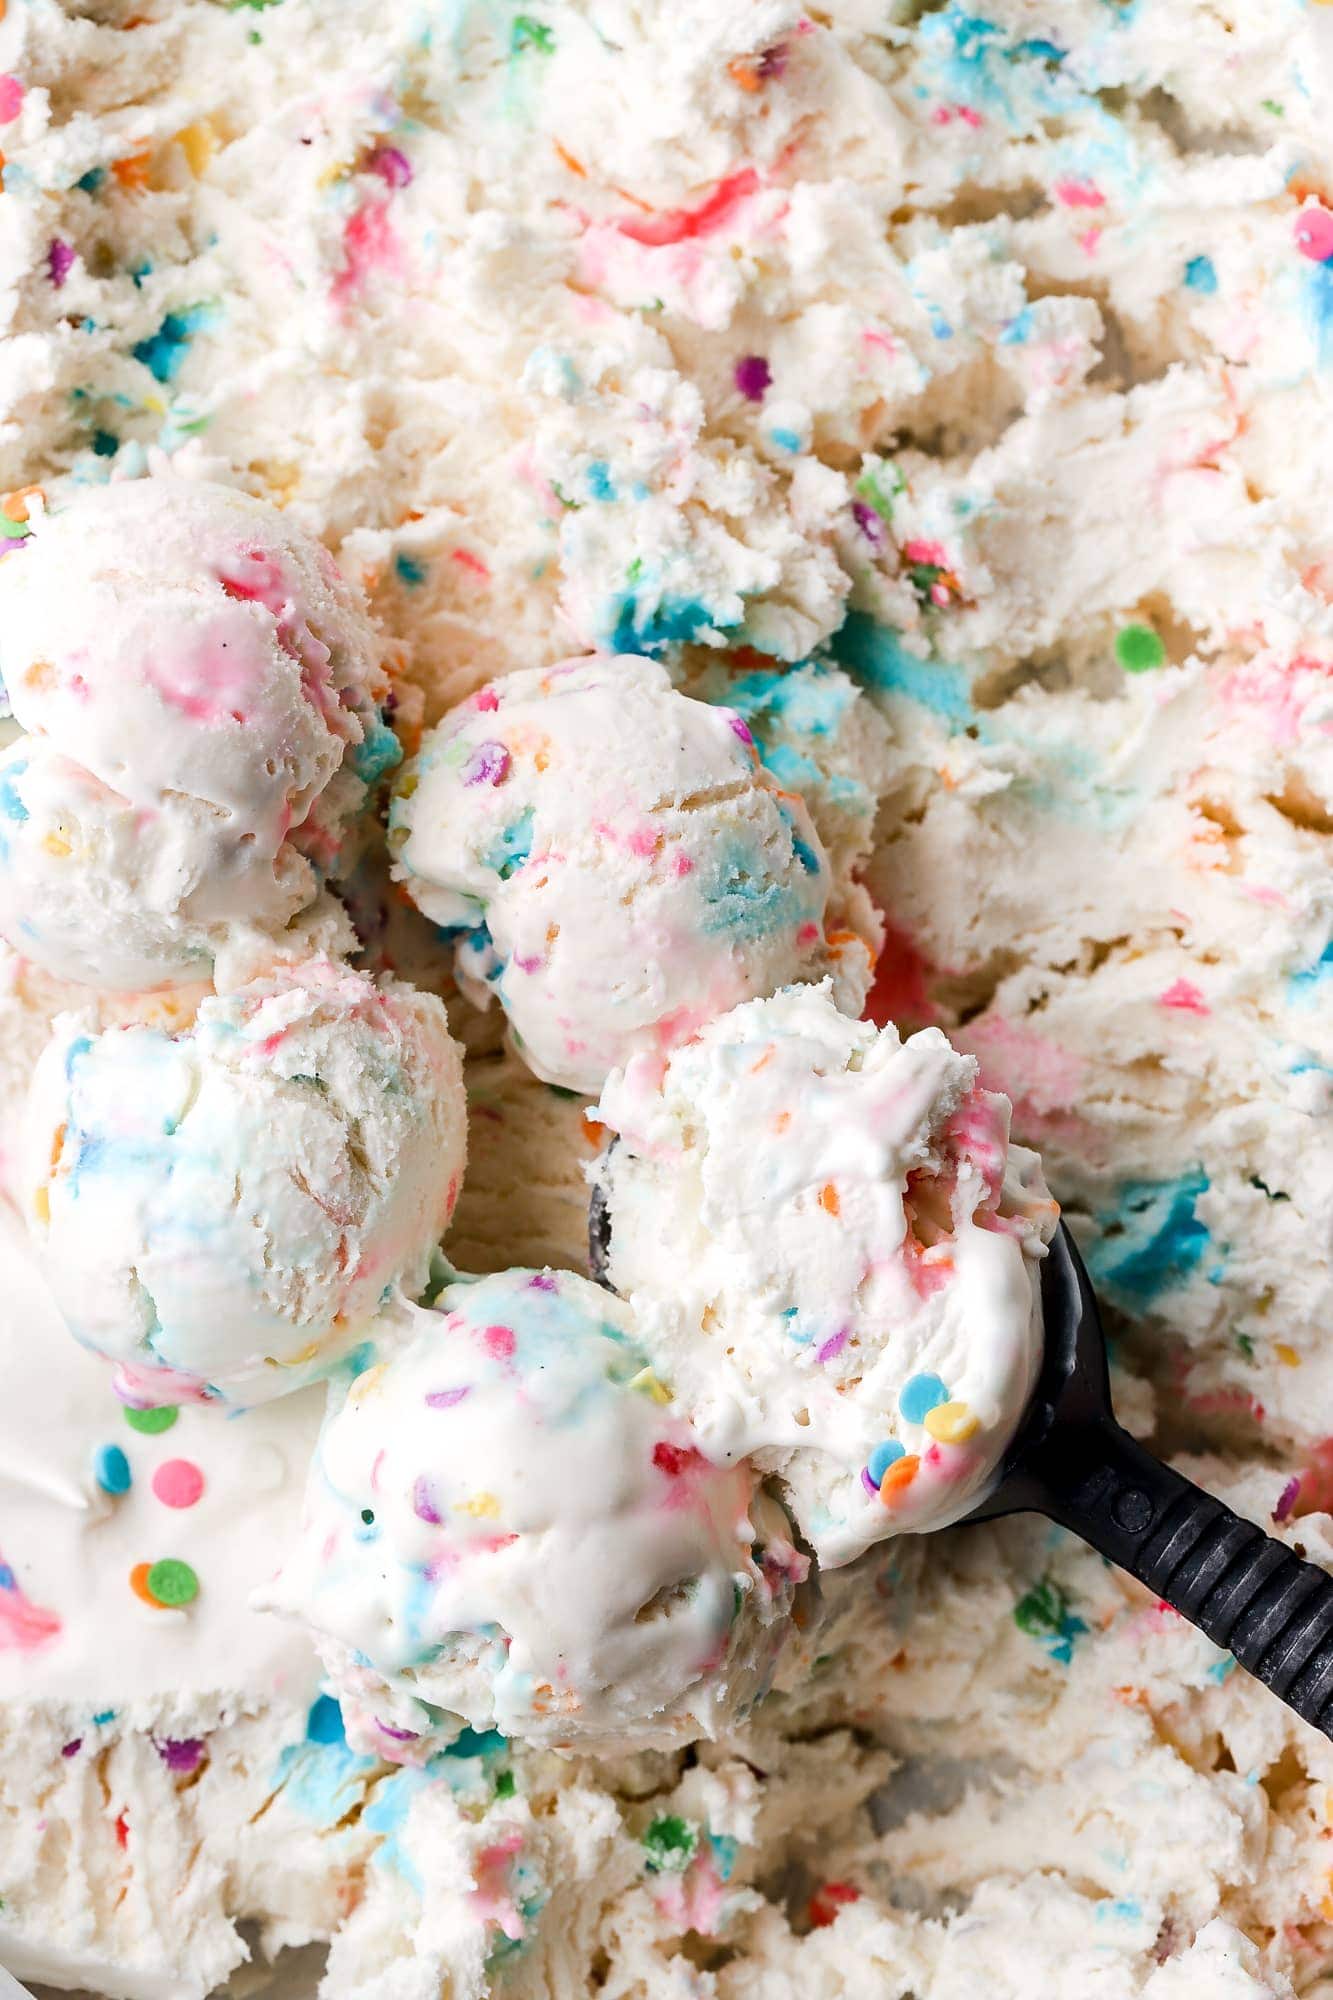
(1072, 1461)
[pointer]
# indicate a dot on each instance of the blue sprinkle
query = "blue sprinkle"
(477, 1743)
(675, 621)
(8, 1580)
(786, 440)
(882, 1457)
(725, 1849)
(600, 483)
(106, 444)
(1319, 310)
(1018, 329)
(378, 752)
(1303, 986)
(921, 1395)
(163, 351)
(1122, 1909)
(1160, 1239)
(104, 1716)
(876, 656)
(1201, 275)
(409, 570)
(11, 805)
(92, 180)
(112, 1469)
(324, 1724)
(511, 846)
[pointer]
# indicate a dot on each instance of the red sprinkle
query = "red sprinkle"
(828, 1900)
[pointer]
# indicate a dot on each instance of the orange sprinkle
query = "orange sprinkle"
(1286, 1355)
(139, 1584)
(132, 171)
(574, 166)
(828, 1199)
(741, 73)
(900, 1474)
(837, 938)
(541, 760)
(57, 1145)
(763, 1062)
(782, 1121)
(14, 506)
(597, 1132)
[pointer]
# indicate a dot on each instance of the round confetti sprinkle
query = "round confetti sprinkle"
(920, 1395)
(139, 1582)
(111, 1469)
(1138, 649)
(1314, 234)
(951, 1423)
(178, 1483)
(151, 1423)
(899, 1475)
(172, 1583)
(882, 1457)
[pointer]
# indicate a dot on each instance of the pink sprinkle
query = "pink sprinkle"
(11, 99)
(1286, 1499)
(178, 1483)
(369, 244)
(869, 1483)
(487, 700)
(739, 727)
(446, 1399)
(466, 560)
(1184, 995)
(1089, 240)
(834, 1345)
(1314, 234)
(753, 377)
(72, 1749)
(807, 933)
(1079, 194)
(683, 865)
(543, 1281)
(680, 225)
(423, 1501)
(59, 261)
(393, 167)
(397, 1735)
(868, 521)
(489, 764)
(499, 1341)
(930, 553)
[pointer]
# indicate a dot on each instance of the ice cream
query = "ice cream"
(199, 689)
(831, 1249)
(617, 863)
(507, 1529)
(221, 1210)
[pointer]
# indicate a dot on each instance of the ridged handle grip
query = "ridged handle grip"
(1249, 1593)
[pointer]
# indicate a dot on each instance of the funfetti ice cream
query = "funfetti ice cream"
(222, 1210)
(618, 865)
(831, 1252)
(199, 688)
(506, 1527)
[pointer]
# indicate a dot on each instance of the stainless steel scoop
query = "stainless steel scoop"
(1072, 1461)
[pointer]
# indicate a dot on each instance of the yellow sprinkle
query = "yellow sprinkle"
(56, 843)
(951, 1423)
(363, 1384)
(156, 405)
(650, 1385)
(41, 1204)
(483, 1506)
(198, 142)
(337, 172)
(1286, 1355)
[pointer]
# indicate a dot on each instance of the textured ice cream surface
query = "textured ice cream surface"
(831, 1250)
(506, 1527)
(198, 685)
(619, 866)
(222, 1210)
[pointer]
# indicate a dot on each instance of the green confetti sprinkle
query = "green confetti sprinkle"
(1138, 649)
(504, 1785)
(151, 1423)
(1271, 105)
(529, 33)
(669, 1844)
(870, 489)
(172, 1583)
(1246, 1345)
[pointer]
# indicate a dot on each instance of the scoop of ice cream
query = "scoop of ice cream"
(831, 1249)
(221, 1211)
(620, 867)
(506, 1527)
(199, 688)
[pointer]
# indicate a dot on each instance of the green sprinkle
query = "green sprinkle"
(1044, 1609)
(669, 1844)
(504, 1785)
(1246, 1345)
(529, 33)
(151, 1423)
(869, 489)
(1270, 104)
(1138, 649)
(172, 1583)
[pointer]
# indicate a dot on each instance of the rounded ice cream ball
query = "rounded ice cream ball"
(195, 679)
(617, 864)
(222, 1211)
(507, 1528)
(831, 1251)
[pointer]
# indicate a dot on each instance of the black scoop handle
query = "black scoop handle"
(1249, 1593)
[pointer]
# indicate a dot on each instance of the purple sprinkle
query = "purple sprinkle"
(59, 261)
(543, 1281)
(1286, 1499)
(739, 727)
(868, 521)
(393, 167)
(773, 61)
(181, 1753)
(398, 1735)
(445, 1399)
(833, 1346)
(868, 1482)
(488, 765)
(753, 377)
(72, 1749)
(8, 542)
(423, 1502)
(522, 964)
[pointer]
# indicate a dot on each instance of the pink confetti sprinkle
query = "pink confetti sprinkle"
(489, 764)
(59, 261)
(499, 1341)
(1079, 194)
(423, 1501)
(447, 1399)
(834, 1345)
(1185, 996)
(739, 727)
(487, 700)
(543, 1281)
(392, 166)
(868, 521)
(178, 1483)
(1286, 1500)
(1314, 234)
(680, 225)
(72, 1749)
(11, 99)
(753, 377)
